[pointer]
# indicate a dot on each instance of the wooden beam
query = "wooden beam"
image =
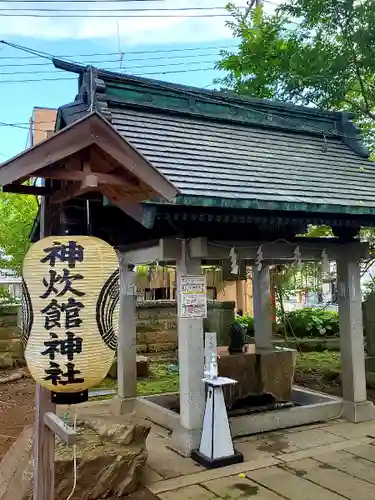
(101, 161)
(143, 255)
(77, 140)
(140, 213)
(121, 196)
(24, 189)
(63, 174)
(56, 425)
(127, 337)
(71, 190)
(277, 251)
(44, 438)
(61, 145)
(166, 250)
(110, 141)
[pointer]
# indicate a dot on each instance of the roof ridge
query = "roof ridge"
(101, 89)
(230, 96)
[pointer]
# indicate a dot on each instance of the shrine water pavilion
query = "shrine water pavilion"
(173, 174)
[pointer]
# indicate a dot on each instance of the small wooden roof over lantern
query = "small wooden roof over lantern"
(87, 156)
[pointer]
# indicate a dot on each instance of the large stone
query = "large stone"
(258, 373)
(13, 346)
(241, 367)
(6, 361)
(143, 368)
(8, 320)
(111, 455)
(9, 331)
(277, 372)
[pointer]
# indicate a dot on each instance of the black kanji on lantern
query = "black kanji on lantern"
(56, 279)
(71, 310)
(54, 373)
(52, 315)
(68, 347)
(53, 347)
(54, 310)
(70, 375)
(71, 345)
(70, 253)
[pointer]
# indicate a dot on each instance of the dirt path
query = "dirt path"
(16, 410)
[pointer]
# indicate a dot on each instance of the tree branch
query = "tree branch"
(361, 82)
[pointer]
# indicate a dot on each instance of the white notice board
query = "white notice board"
(193, 297)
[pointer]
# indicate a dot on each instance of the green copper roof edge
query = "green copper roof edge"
(270, 205)
(338, 121)
(124, 80)
(218, 106)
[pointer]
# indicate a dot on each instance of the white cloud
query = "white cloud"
(137, 31)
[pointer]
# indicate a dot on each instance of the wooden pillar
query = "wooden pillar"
(356, 408)
(191, 364)
(44, 437)
(262, 308)
(127, 341)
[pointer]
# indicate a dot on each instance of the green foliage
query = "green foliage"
(324, 362)
(5, 297)
(312, 322)
(319, 232)
(317, 53)
(17, 214)
(159, 382)
(248, 322)
(368, 288)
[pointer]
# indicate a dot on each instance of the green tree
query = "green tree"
(318, 53)
(17, 214)
(312, 52)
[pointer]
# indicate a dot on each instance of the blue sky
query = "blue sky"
(91, 35)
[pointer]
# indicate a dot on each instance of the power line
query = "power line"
(176, 9)
(166, 51)
(136, 59)
(136, 74)
(127, 69)
(12, 125)
(81, 1)
(116, 16)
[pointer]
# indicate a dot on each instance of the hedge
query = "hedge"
(305, 322)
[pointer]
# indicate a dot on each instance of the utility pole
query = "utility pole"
(31, 132)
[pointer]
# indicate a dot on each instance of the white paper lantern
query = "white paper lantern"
(70, 311)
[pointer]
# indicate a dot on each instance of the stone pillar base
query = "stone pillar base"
(358, 412)
(184, 441)
(122, 406)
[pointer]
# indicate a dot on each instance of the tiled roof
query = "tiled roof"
(222, 150)
(228, 160)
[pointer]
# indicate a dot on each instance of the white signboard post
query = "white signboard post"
(193, 297)
(210, 348)
(216, 446)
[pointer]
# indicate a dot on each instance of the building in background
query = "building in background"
(10, 283)
(42, 124)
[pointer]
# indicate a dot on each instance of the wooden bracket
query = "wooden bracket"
(56, 425)
(25, 189)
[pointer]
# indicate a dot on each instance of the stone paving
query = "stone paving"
(328, 461)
